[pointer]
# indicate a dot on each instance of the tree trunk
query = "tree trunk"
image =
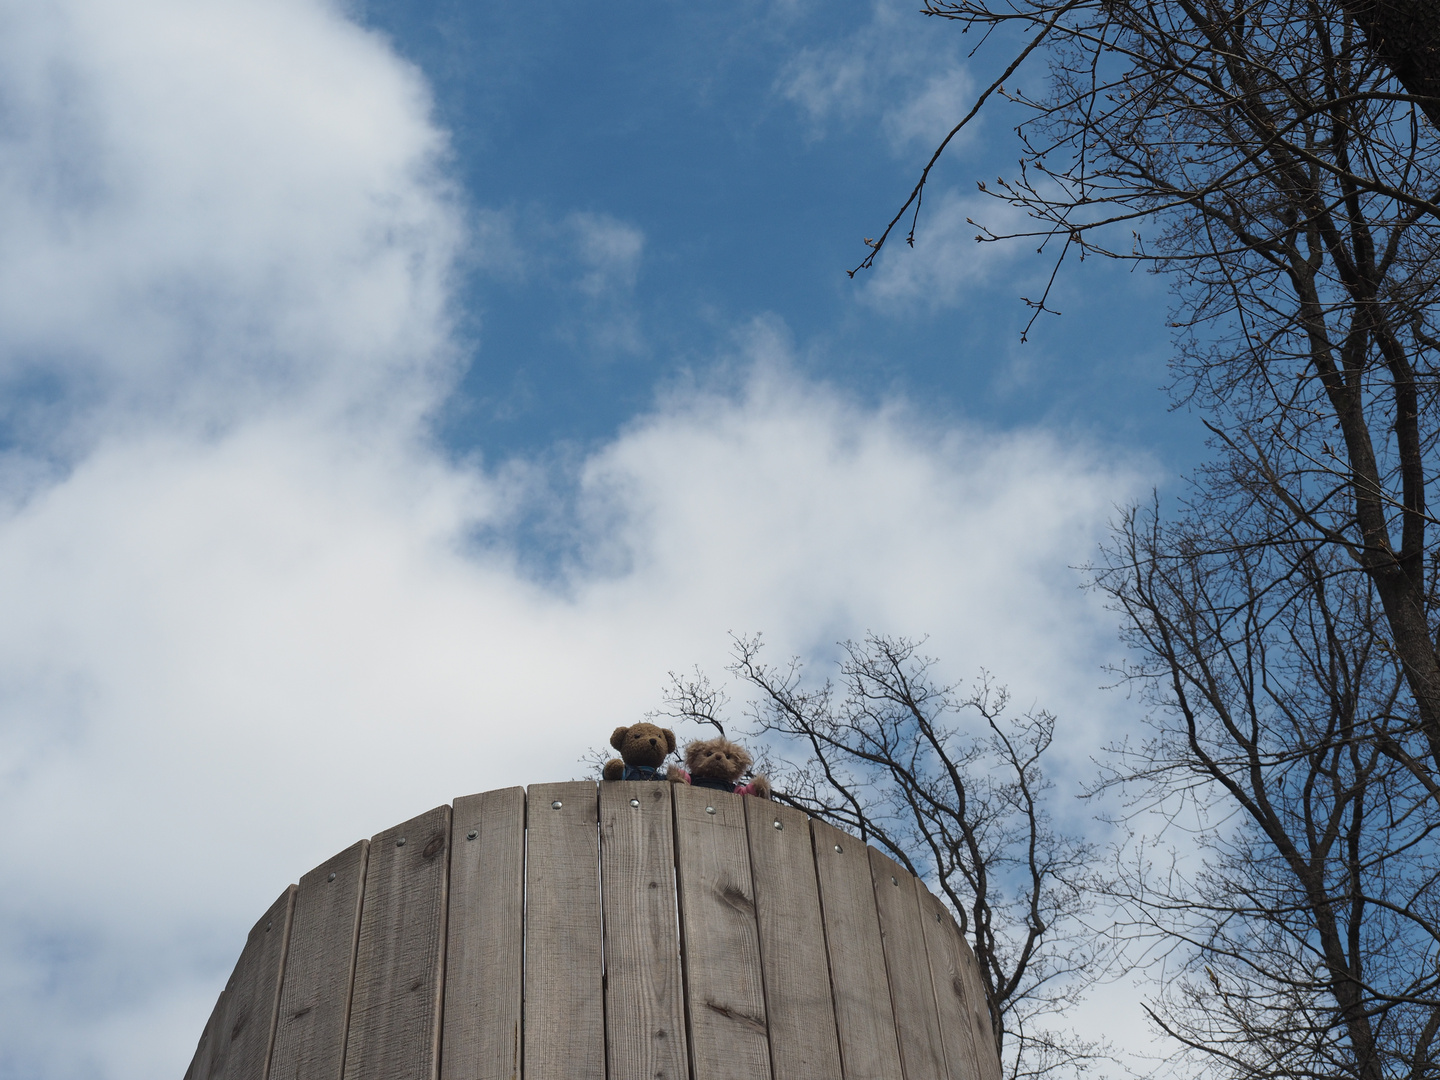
(1406, 35)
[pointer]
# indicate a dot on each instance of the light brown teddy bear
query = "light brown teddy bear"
(719, 763)
(643, 749)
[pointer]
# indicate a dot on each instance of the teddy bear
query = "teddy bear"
(643, 749)
(718, 763)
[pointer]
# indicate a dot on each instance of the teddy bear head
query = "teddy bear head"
(643, 744)
(716, 759)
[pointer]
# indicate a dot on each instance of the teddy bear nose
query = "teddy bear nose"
(652, 742)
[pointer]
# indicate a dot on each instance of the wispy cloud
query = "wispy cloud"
(898, 71)
(609, 250)
(949, 267)
(589, 261)
(925, 118)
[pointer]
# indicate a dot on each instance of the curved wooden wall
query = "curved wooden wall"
(638, 931)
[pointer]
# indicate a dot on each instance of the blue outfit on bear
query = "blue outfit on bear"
(643, 772)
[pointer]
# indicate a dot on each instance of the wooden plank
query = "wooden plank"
(320, 970)
(798, 1002)
(902, 933)
(484, 957)
(942, 944)
(564, 1033)
(869, 1049)
(400, 959)
(254, 992)
(725, 995)
(204, 1062)
(982, 1036)
(644, 1000)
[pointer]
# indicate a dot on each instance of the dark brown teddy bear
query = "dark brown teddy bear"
(643, 749)
(719, 763)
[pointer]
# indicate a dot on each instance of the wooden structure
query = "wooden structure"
(630, 931)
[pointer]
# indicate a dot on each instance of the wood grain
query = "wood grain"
(484, 956)
(254, 994)
(564, 1035)
(399, 962)
(942, 943)
(724, 989)
(869, 1049)
(320, 969)
(736, 950)
(798, 1002)
(203, 1064)
(902, 933)
(982, 1036)
(644, 1001)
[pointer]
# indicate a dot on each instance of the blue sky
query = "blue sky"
(394, 394)
(745, 150)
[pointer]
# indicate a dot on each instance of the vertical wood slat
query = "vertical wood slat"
(399, 964)
(783, 973)
(485, 938)
(644, 1000)
(320, 969)
(725, 995)
(902, 933)
(564, 998)
(204, 1062)
(869, 1049)
(942, 943)
(799, 1006)
(981, 1035)
(254, 993)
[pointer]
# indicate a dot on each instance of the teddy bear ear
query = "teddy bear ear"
(743, 757)
(617, 737)
(669, 738)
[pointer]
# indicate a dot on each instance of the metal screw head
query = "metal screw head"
(937, 916)
(267, 927)
(400, 842)
(556, 805)
(839, 850)
(472, 834)
(779, 824)
(709, 809)
(634, 802)
(331, 877)
(893, 881)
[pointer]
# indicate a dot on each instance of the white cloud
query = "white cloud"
(244, 189)
(261, 647)
(252, 614)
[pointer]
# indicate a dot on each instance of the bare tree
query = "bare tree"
(1279, 162)
(1289, 188)
(951, 786)
(1293, 893)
